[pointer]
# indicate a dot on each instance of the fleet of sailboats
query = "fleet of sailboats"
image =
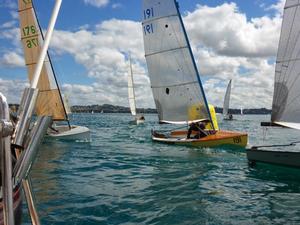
(177, 90)
(226, 114)
(138, 118)
(50, 101)
(286, 102)
(175, 81)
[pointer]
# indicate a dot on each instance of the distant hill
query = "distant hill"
(245, 111)
(107, 108)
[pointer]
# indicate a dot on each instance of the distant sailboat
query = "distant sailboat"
(286, 101)
(50, 101)
(175, 81)
(226, 115)
(138, 118)
(242, 112)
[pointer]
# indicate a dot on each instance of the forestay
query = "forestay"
(286, 101)
(227, 99)
(175, 82)
(49, 101)
(131, 94)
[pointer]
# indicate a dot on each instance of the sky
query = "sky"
(235, 39)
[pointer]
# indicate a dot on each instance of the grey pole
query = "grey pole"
(6, 160)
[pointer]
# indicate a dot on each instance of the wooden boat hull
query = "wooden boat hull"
(17, 203)
(220, 138)
(64, 133)
(284, 158)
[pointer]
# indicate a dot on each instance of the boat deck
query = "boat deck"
(217, 139)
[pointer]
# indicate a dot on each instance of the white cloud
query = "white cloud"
(278, 7)
(225, 43)
(13, 89)
(8, 4)
(12, 59)
(116, 5)
(227, 32)
(97, 3)
(8, 24)
(104, 54)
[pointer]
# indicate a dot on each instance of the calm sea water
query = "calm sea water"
(122, 177)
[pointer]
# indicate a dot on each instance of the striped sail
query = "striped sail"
(175, 82)
(49, 100)
(131, 94)
(227, 99)
(286, 99)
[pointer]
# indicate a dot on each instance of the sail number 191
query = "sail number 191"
(148, 13)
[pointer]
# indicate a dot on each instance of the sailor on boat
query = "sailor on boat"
(199, 128)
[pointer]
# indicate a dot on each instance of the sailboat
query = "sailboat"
(177, 89)
(50, 101)
(138, 118)
(286, 101)
(242, 111)
(226, 115)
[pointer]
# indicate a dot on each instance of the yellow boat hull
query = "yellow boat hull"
(220, 138)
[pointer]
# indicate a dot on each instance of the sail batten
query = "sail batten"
(286, 101)
(291, 6)
(49, 101)
(171, 66)
(168, 50)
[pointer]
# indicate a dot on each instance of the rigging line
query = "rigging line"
(52, 68)
(285, 51)
(194, 64)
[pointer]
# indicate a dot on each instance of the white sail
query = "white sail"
(227, 99)
(131, 94)
(175, 82)
(49, 101)
(286, 101)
